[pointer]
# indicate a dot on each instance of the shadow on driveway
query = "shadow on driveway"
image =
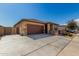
(39, 36)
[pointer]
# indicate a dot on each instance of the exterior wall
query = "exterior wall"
(1, 31)
(52, 28)
(61, 29)
(7, 31)
(19, 28)
(13, 31)
(48, 28)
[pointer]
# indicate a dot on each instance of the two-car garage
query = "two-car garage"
(35, 29)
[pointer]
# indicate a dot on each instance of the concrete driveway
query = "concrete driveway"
(34, 45)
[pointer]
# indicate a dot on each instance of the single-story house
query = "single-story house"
(33, 26)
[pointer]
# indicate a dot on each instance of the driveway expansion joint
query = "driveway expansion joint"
(64, 47)
(37, 49)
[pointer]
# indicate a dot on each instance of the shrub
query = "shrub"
(68, 34)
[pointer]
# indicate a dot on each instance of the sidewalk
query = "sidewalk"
(72, 49)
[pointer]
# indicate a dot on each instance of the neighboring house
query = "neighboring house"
(61, 29)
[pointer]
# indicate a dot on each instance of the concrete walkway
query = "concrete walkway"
(72, 49)
(15, 45)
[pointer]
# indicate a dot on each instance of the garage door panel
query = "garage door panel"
(35, 29)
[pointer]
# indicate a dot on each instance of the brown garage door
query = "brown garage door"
(35, 29)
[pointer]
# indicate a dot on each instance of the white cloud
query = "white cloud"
(77, 21)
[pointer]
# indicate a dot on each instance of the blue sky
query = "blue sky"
(10, 14)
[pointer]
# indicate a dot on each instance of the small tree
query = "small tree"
(72, 25)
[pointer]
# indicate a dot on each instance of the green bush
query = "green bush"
(68, 34)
